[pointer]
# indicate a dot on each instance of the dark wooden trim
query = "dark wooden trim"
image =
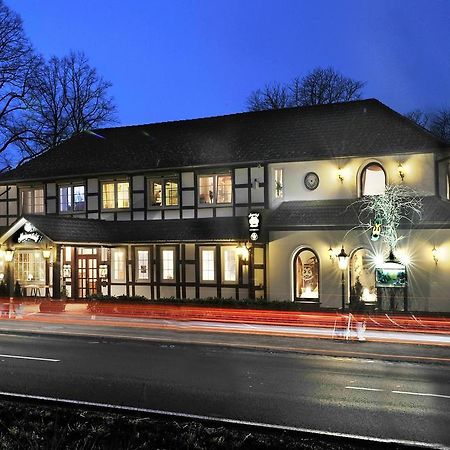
(183, 270)
(56, 294)
(218, 268)
(197, 271)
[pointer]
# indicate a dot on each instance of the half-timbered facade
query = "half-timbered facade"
(162, 210)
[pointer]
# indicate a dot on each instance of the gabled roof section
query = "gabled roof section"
(343, 215)
(364, 127)
(62, 229)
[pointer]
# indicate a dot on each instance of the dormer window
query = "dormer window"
(373, 179)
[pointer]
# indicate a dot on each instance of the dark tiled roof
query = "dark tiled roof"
(343, 214)
(66, 229)
(365, 127)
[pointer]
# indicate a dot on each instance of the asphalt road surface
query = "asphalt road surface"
(363, 397)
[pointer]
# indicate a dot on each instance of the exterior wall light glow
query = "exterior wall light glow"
(9, 255)
(243, 250)
(331, 254)
(401, 171)
(435, 254)
(46, 253)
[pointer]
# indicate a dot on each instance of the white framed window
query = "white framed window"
(142, 268)
(215, 189)
(373, 179)
(118, 265)
(168, 264)
(115, 194)
(208, 263)
(229, 264)
(164, 192)
(278, 183)
(29, 266)
(32, 200)
(72, 198)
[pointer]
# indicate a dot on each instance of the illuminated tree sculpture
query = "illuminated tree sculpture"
(382, 214)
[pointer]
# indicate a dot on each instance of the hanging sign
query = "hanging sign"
(376, 229)
(254, 225)
(29, 233)
(103, 271)
(67, 271)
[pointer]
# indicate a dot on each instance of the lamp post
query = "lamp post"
(343, 264)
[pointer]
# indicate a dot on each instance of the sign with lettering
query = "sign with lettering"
(29, 233)
(254, 225)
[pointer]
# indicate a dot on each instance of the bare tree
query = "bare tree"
(18, 65)
(70, 98)
(419, 117)
(273, 96)
(323, 86)
(320, 86)
(440, 124)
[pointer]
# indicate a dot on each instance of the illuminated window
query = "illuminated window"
(208, 269)
(306, 272)
(362, 278)
(229, 264)
(32, 200)
(278, 180)
(71, 199)
(373, 180)
(118, 265)
(214, 189)
(163, 192)
(168, 264)
(115, 195)
(29, 266)
(142, 265)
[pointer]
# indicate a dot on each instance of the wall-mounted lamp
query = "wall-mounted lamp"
(435, 255)
(243, 250)
(9, 255)
(255, 184)
(46, 253)
(401, 171)
(331, 254)
(342, 259)
(340, 174)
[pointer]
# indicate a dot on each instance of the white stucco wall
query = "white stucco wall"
(429, 284)
(418, 169)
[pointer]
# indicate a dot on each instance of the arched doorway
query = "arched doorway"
(306, 276)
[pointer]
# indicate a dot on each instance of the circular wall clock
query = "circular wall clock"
(311, 181)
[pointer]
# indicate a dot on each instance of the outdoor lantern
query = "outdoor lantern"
(340, 174)
(46, 253)
(9, 255)
(435, 255)
(331, 253)
(342, 259)
(401, 171)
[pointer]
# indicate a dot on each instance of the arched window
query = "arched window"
(362, 278)
(373, 179)
(306, 275)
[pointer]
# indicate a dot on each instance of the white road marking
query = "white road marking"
(30, 357)
(225, 420)
(363, 388)
(421, 394)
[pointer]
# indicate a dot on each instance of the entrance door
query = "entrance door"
(87, 272)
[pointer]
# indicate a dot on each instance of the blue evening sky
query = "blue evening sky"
(176, 59)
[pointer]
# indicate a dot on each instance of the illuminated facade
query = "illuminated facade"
(162, 210)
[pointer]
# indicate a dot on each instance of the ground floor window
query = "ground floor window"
(29, 266)
(229, 264)
(208, 264)
(306, 271)
(168, 264)
(362, 278)
(142, 265)
(118, 265)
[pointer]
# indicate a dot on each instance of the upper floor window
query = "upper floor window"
(32, 200)
(373, 179)
(214, 189)
(278, 180)
(72, 198)
(163, 192)
(115, 194)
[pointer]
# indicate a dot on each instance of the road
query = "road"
(364, 397)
